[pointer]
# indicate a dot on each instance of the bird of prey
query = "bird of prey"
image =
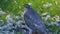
(33, 20)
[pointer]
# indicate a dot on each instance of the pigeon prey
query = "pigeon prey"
(33, 20)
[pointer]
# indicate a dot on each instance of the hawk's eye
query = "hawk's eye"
(27, 6)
